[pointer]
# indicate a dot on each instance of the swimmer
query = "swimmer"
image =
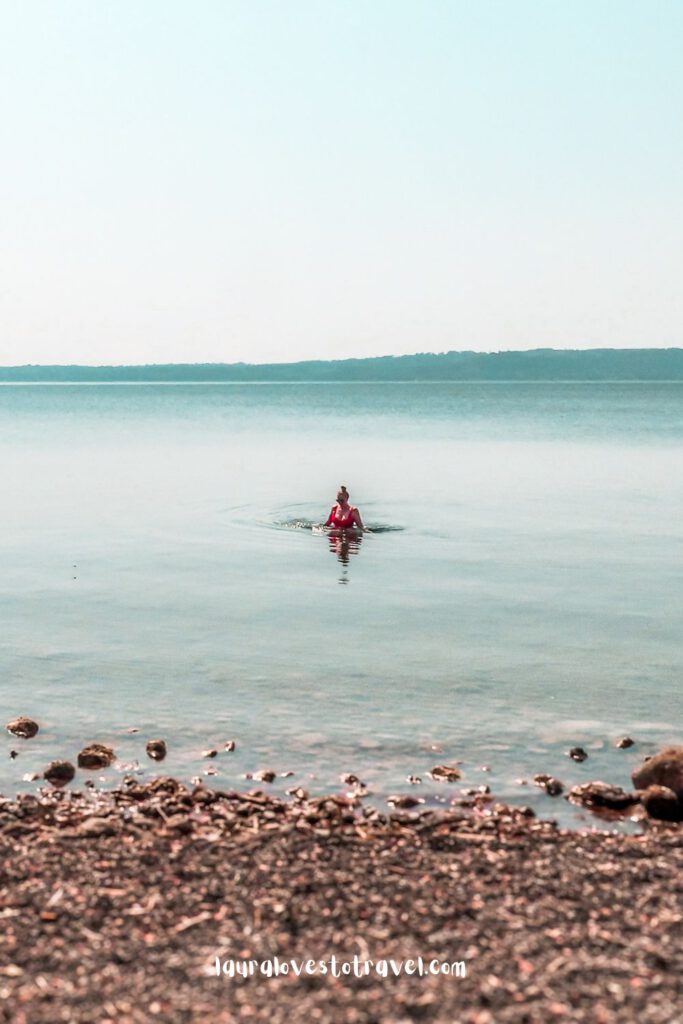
(344, 516)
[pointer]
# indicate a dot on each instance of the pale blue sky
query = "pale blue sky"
(258, 180)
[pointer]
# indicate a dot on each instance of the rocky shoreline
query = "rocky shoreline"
(115, 905)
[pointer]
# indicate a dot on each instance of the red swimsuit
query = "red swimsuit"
(342, 522)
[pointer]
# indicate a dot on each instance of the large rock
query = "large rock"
(664, 769)
(662, 803)
(602, 796)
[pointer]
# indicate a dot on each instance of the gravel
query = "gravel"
(115, 905)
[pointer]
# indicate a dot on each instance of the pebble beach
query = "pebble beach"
(124, 905)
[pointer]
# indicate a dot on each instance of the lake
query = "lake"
(521, 591)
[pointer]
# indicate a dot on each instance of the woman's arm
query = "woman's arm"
(357, 519)
(329, 518)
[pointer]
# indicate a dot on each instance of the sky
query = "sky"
(272, 180)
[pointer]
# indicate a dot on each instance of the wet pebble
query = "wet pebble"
(662, 803)
(59, 773)
(602, 795)
(24, 728)
(578, 754)
(414, 780)
(445, 773)
(230, 746)
(210, 753)
(156, 749)
(624, 743)
(95, 756)
(549, 783)
(404, 802)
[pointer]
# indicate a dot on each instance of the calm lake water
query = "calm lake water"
(157, 575)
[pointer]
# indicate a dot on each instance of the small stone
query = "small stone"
(202, 795)
(95, 756)
(211, 770)
(298, 792)
(554, 787)
(156, 749)
(662, 803)
(624, 743)
(350, 780)
(180, 823)
(94, 827)
(265, 775)
(230, 746)
(549, 783)
(58, 773)
(24, 728)
(445, 773)
(414, 780)
(31, 777)
(664, 769)
(209, 753)
(404, 802)
(578, 754)
(13, 755)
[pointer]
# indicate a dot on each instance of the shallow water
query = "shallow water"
(520, 592)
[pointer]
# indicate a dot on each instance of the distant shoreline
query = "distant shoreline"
(570, 366)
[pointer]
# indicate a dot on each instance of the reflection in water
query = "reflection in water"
(343, 544)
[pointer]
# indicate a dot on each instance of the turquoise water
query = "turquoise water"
(157, 575)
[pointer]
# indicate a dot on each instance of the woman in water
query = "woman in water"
(344, 516)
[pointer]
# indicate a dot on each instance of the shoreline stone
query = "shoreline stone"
(663, 769)
(59, 773)
(23, 727)
(96, 756)
(602, 795)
